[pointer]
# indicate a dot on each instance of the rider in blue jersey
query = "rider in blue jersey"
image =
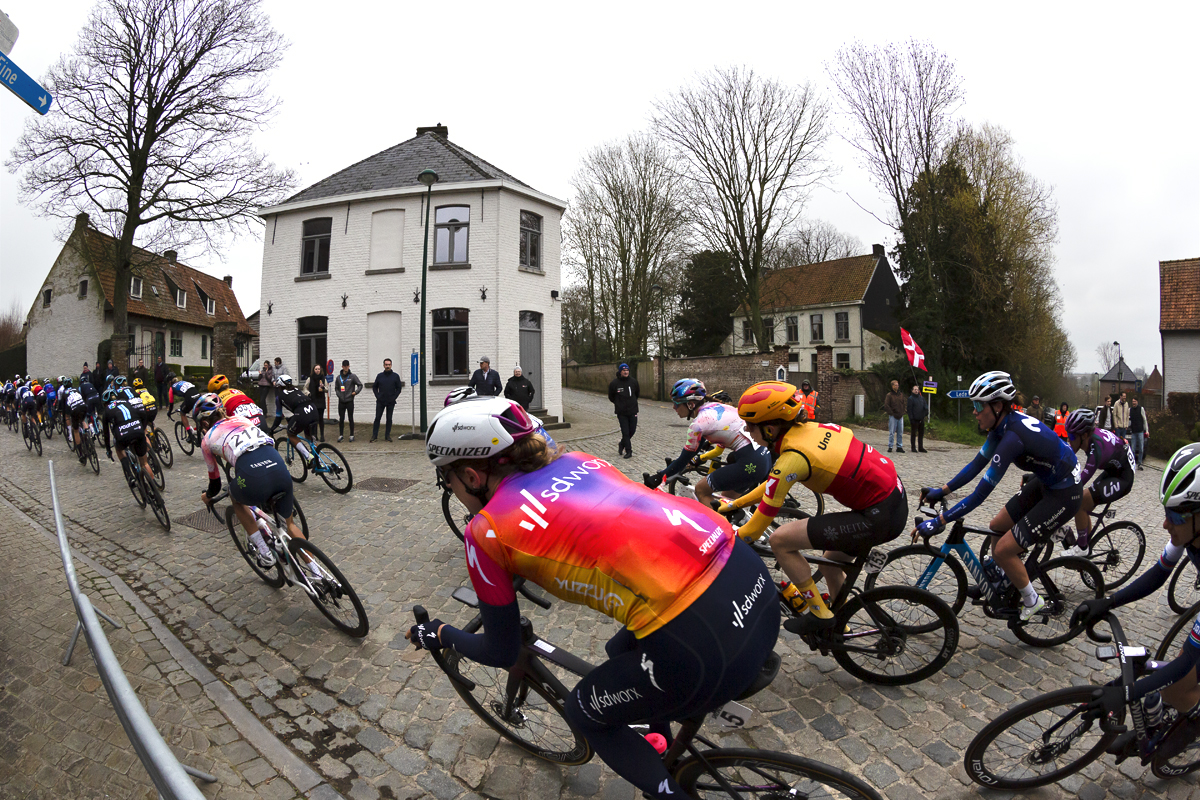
(1042, 505)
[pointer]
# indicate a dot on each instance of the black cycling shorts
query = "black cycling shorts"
(186, 403)
(258, 475)
(744, 469)
(29, 405)
(135, 443)
(856, 532)
(1110, 487)
(1038, 511)
(149, 415)
(697, 662)
(78, 415)
(301, 424)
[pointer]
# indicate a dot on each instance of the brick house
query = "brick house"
(847, 303)
(1179, 324)
(342, 272)
(174, 310)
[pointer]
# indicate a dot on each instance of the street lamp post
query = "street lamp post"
(1120, 367)
(662, 361)
(1096, 377)
(427, 177)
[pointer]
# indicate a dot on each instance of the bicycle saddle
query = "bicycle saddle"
(275, 498)
(770, 669)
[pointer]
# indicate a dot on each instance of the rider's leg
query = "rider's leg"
(1082, 520)
(246, 517)
(1008, 556)
(786, 543)
(294, 529)
(1184, 693)
(704, 492)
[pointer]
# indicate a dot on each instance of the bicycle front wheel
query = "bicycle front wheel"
(273, 575)
(156, 468)
(762, 773)
(1168, 648)
(335, 471)
(894, 635)
(456, 514)
(1184, 591)
(1117, 551)
(332, 594)
(1038, 742)
(163, 445)
(926, 568)
(523, 712)
(155, 500)
(181, 438)
(291, 456)
(1063, 583)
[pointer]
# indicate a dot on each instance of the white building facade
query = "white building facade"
(341, 274)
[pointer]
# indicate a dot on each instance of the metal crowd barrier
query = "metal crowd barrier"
(170, 777)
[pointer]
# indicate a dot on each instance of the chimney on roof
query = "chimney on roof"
(440, 129)
(81, 221)
(170, 256)
(877, 250)
(228, 281)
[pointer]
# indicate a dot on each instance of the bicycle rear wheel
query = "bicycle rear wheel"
(1178, 750)
(291, 456)
(907, 565)
(37, 439)
(155, 500)
(163, 445)
(1184, 591)
(181, 437)
(156, 469)
(332, 594)
(135, 486)
(762, 773)
(1117, 551)
(25, 435)
(1038, 742)
(1063, 583)
(335, 471)
(894, 635)
(273, 575)
(456, 514)
(523, 712)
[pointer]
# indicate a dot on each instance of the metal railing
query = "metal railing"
(170, 777)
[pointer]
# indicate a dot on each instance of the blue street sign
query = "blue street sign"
(23, 86)
(415, 377)
(957, 394)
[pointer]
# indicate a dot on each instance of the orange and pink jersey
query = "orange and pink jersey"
(228, 439)
(588, 535)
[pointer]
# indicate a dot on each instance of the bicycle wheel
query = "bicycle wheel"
(334, 469)
(1038, 742)
(1178, 761)
(1117, 551)
(182, 438)
(805, 500)
(156, 469)
(272, 576)
(894, 635)
(93, 456)
(299, 518)
(1063, 583)
(906, 566)
(135, 486)
(762, 773)
(1184, 591)
(1168, 648)
(291, 456)
(25, 435)
(332, 594)
(456, 514)
(155, 500)
(37, 439)
(524, 712)
(163, 445)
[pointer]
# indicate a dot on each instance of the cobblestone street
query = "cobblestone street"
(376, 719)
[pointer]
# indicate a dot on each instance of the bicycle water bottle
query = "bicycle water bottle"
(1152, 710)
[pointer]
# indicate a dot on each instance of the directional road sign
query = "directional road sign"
(23, 86)
(415, 372)
(957, 394)
(930, 387)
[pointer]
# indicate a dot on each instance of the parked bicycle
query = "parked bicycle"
(1063, 582)
(144, 489)
(298, 562)
(324, 460)
(1054, 736)
(524, 705)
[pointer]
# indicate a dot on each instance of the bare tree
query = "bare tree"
(901, 103)
(151, 130)
(812, 242)
(1108, 355)
(12, 323)
(751, 147)
(625, 226)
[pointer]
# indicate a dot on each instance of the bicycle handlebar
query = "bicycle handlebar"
(1117, 632)
(212, 508)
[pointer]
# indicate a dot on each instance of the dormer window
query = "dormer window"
(180, 298)
(135, 287)
(210, 306)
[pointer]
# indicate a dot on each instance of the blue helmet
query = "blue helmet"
(687, 389)
(109, 395)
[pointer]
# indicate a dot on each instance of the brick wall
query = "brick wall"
(224, 351)
(732, 373)
(596, 377)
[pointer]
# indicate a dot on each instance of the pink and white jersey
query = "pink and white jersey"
(249, 410)
(720, 426)
(228, 439)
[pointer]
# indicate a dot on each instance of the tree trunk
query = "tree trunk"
(123, 272)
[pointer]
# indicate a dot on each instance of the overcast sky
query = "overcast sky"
(1101, 102)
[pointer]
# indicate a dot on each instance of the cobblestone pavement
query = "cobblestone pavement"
(379, 720)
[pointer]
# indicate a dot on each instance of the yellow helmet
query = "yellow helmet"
(137, 383)
(769, 401)
(217, 382)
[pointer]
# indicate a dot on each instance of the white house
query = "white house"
(341, 274)
(1179, 324)
(845, 303)
(173, 309)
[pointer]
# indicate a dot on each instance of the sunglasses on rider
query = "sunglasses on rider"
(1175, 518)
(978, 405)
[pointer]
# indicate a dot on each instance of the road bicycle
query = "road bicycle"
(159, 443)
(46, 423)
(524, 704)
(1184, 590)
(144, 489)
(31, 432)
(799, 496)
(186, 436)
(298, 562)
(1054, 736)
(324, 460)
(82, 442)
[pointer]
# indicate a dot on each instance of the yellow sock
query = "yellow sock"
(813, 599)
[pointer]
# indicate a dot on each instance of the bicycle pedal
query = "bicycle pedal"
(1123, 746)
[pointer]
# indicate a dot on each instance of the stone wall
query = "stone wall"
(732, 373)
(596, 377)
(224, 349)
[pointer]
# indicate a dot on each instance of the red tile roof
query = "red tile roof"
(1179, 295)
(157, 271)
(842, 280)
(1154, 383)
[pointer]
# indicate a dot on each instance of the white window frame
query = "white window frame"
(210, 306)
(176, 336)
(135, 287)
(180, 298)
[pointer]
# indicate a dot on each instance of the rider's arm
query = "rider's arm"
(214, 473)
(1152, 579)
(711, 454)
(1009, 448)
(750, 497)
(500, 643)
(789, 468)
(1177, 670)
(1090, 466)
(972, 469)
(689, 451)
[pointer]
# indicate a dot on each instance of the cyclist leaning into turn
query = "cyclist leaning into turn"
(1109, 458)
(825, 458)
(303, 415)
(663, 566)
(720, 426)
(1042, 505)
(125, 419)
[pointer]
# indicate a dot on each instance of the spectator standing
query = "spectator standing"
(485, 380)
(1035, 409)
(623, 393)
(1121, 416)
(86, 375)
(279, 370)
(140, 371)
(1060, 421)
(519, 388)
(387, 388)
(1139, 430)
(918, 410)
(894, 404)
(266, 378)
(1104, 414)
(160, 381)
(347, 385)
(316, 389)
(809, 398)
(110, 372)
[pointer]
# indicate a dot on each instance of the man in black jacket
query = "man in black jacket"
(86, 376)
(918, 410)
(519, 388)
(485, 380)
(160, 379)
(347, 386)
(387, 388)
(623, 393)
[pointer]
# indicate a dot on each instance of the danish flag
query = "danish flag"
(916, 357)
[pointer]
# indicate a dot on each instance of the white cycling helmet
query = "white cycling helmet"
(460, 394)
(1180, 489)
(480, 429)
(993, 385)
(283, 380)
